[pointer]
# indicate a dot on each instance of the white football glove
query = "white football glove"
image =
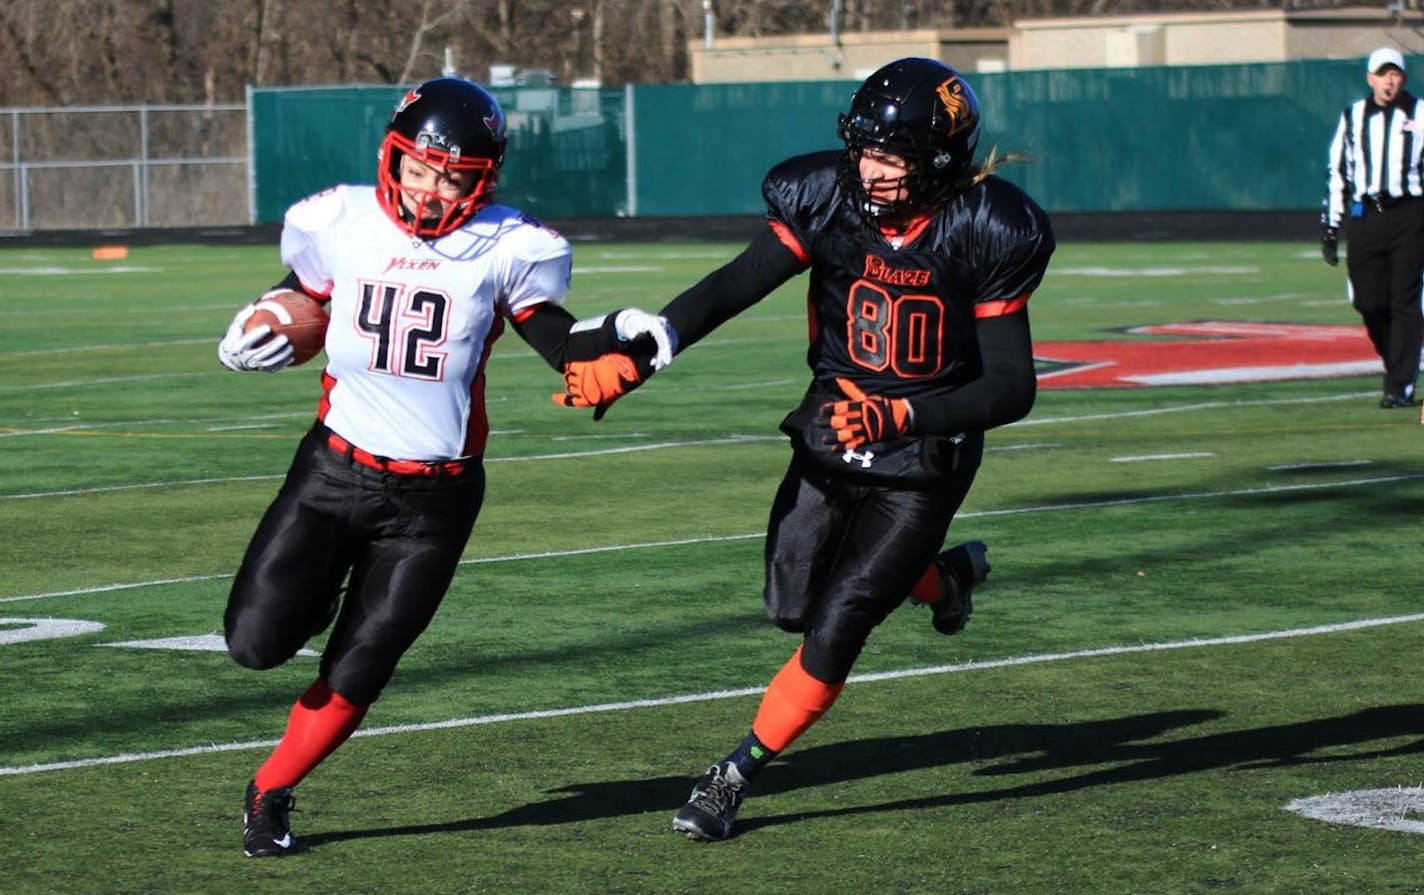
(255, 350)
(630, 323)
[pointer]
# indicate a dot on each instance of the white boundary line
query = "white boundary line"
(661, 702)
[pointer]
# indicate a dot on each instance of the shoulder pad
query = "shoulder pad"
(802, 191)
(318, 210)
(521, 235)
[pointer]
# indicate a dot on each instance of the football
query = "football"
(299, 317)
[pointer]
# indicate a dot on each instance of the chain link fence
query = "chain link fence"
(119, 167)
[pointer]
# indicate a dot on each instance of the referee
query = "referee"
(1374, 190)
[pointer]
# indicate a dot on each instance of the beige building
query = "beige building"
(1213, 38)
(816, 57)
(1268, 35)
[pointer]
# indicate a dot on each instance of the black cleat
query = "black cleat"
(265, 831)
(1390, 402)
(712, 808)
(961, 569)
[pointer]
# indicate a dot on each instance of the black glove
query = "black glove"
(1329, 246)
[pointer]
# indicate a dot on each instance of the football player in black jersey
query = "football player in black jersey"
(922, 263)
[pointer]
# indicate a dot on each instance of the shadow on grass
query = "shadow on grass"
(1115, 751)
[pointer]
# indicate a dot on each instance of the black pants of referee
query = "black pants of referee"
(1386, 266)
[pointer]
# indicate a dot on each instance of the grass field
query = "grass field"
(1204, 607)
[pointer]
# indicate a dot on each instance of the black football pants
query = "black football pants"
(841, 553)
(399, 537)
(1385, 260)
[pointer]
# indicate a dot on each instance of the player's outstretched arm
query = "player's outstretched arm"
(601, 358)
(560, 339)
(724, 293)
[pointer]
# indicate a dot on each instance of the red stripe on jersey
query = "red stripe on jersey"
(323, 294)
(1000, 308)
(477, 427)
(813, 330)
(788, 239)
(323, 406)
(523, 315)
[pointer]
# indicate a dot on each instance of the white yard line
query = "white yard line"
(709, 696)
(1185, 408)
(1144, 458)
(102, 380)
(75, 349)
(614, 548)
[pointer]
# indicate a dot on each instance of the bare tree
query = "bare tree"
(103, 52)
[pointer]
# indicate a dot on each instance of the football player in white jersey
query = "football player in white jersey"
(420, 275)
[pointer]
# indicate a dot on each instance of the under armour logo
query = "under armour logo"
(865, 458)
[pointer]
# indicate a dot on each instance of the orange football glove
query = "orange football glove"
(599, 382)
(865, 419)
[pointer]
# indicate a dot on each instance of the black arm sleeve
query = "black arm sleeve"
(732, 288)
(293, 282)
(558, 338)
(1002, 395)
(550, 330)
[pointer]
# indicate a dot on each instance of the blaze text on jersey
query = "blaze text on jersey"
(877, 270)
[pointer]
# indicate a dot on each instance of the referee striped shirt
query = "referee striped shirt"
(1375, 155)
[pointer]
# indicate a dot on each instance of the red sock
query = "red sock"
(793, 701)
(320, 721)
(926, 590)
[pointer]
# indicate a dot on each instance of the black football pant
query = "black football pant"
(400, 539)
(842, 553)
(1385, 260)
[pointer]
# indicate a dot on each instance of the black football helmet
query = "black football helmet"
(448, 123)
(923, 111)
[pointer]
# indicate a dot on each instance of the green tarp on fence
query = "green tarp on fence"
(1207, 138)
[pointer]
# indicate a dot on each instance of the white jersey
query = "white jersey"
(412, 321)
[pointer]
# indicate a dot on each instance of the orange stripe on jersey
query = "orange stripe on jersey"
(1000, 308)
(910, 233)
(788, 239)
(477, 427)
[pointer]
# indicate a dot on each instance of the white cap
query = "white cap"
(1382, 57)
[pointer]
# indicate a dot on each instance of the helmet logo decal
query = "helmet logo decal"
(951, 96)
(492, 122)
(411, 96)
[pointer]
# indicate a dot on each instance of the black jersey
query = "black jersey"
(897, 316)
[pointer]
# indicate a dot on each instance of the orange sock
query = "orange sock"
(926, 590)
(320, 721)
(793, 701)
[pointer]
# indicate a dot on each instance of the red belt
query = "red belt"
(431, 469)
